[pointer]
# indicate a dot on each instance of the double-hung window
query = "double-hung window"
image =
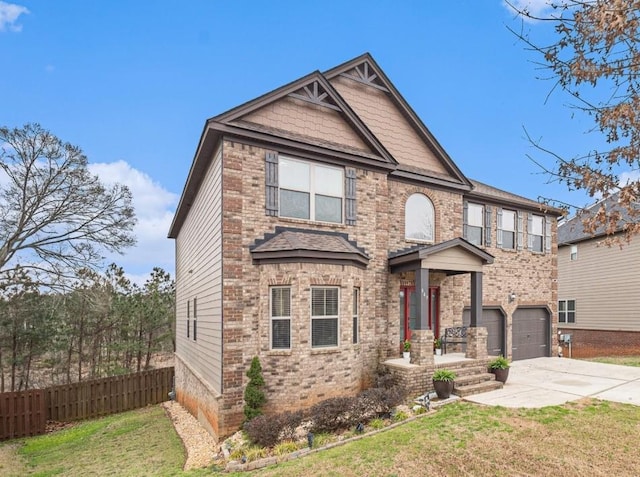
(475, 223)
(280, 318)
(507, 229)
(536, 233)
(310, 191)
(573, 254)
(566, 311)
(324, 316)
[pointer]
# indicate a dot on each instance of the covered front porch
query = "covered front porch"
(453, 257)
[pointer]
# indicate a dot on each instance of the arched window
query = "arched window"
(418, 218)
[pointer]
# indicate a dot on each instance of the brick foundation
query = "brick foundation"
(594, 343)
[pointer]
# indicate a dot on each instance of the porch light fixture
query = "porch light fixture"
(512, 297)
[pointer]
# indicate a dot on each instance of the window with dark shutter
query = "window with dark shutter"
(487, 226)
(520, 234)
(271, 183)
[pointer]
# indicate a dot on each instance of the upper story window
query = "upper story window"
(573, 255)
(536, 233)
(507, 228)
(310, 191)
(475, 223)
(418, 218)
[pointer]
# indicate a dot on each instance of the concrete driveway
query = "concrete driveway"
(543, 382)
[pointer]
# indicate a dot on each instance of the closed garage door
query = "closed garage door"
(530, 333)
(493, 321)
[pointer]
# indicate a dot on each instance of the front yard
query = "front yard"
(588, 437)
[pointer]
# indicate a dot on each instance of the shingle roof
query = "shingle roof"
(572, 230)
(305, 245)
(487, 191)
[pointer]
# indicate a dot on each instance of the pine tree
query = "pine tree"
(254, 397)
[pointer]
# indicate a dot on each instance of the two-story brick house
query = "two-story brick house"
(310, 217)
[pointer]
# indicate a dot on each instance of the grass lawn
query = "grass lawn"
(587, 437)
(136, 443)
(623, 360)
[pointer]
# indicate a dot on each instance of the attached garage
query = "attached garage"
(493, 321)
(530, 333)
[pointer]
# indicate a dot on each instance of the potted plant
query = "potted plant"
(406, 350)
(500, 367)
(443, 382)
(437, 346)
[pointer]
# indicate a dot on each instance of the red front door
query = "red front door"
(409, 313)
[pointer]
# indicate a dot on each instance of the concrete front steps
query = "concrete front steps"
(472, 377)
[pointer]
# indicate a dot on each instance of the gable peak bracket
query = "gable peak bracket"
(365, 74)
(315, 93)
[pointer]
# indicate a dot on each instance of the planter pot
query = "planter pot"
(438, 351)
(501, 374)
(406, 355)
(443, 388)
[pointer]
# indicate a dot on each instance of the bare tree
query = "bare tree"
(596, 61)
(55, 216)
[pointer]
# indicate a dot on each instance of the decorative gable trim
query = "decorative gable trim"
(316, 94)
(380, 79)
(313, 88)
(365, 74)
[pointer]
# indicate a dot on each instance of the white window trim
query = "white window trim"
(482, 227)
(541, 235)
(281, 318)
(573, 253)
(501, 229)
(566, 312)
(312, 192)
(431, 211)
(337, 317)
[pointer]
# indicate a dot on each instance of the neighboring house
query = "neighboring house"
(598, 289)
(309, 218)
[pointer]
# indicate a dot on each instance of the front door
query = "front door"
(409, 311)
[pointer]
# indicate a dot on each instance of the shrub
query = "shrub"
(333, 414)
(268, 431)
(376, 423)
(384, 380)
(400, 416)
(254, 398)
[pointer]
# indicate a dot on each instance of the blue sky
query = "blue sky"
(132, 83)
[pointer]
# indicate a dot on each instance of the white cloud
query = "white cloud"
(627, 177)
(9, 13)
(154, 207)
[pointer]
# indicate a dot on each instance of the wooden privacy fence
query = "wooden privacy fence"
(25, 414)
(22, 414)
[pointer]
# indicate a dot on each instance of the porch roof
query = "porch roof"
(453, 256)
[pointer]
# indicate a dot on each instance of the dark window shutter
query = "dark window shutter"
(350, 196)
(487, 226)
(520, 231)
(529, 234)
(465, 211)
(547, 234)
(271, 183)
(499, 228)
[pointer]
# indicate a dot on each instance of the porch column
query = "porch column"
(476, 299)
(422, 295)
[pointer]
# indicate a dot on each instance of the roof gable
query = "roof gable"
(316, 93)
(410, 130)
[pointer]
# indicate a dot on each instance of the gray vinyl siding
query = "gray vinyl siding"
(199, 275)
(604, 281)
